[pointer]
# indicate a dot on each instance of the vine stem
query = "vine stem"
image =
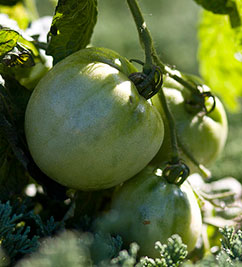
(150, 54)
(173, 74)
(201, 168)
(150, 51)
(144, 34)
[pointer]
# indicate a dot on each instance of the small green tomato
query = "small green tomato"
(202, 136)
(147, 209)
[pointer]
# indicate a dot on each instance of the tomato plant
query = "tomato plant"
(147, 209)
(105, 144)
(201, 135)
(86, 125)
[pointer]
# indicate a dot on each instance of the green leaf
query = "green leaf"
(13, 101)
(18, 56)
(216, 6)
(8, 40)
(15, 50)
(13, 179)
(26, 62)
(228, 7)
(9, 2)
(14, 98)
(72, 27)
(220, 57)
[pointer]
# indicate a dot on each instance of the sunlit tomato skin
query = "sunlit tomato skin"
(86, 125)
(203, 137)
(147, 209)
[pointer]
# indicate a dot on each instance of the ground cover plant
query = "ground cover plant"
(118, 158)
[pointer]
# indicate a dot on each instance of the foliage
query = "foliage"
(222, 60)
(172, 254)
(229, 162)
(63, 40)
(73, 249)
(232, 243)
(14, 234)
(66, 250)
(9, 2)
(228, 7)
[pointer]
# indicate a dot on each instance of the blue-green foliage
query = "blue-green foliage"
(21, 230)
(14, 234)
(232, 243)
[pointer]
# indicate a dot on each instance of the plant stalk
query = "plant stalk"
(202, 169)
(144, 34)
(150, 54)
(147, 44)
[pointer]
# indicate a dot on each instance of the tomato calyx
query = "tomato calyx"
(197, 104)
(199, 94)
(176, 173)
(148, 82)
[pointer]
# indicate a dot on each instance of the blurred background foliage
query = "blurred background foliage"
(174, 28)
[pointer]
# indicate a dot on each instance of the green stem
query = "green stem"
(40, 45)
(201, 168)
(171, 125)
(150, 54)
(148, 45)
(173, 75)
(144, 34)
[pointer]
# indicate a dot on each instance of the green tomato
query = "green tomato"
(147, 209)
(203, 137)
(86, 125)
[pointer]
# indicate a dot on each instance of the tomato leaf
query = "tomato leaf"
(14, 157)
(8, 40)
(228, 7)
(220, 57)
(9, 2)
(18, 56)
(14, 99)
(72, 27)
(13, 102)
(25, 61)
(15, 50)
(13, 179)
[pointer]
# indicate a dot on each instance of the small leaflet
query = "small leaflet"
(71, 28)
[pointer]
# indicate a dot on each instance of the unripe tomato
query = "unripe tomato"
(203, 137)
(86, 125)
(147, 209)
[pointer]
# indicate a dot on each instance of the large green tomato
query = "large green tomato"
(202, 136)
(86, 125)
(147, 209)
